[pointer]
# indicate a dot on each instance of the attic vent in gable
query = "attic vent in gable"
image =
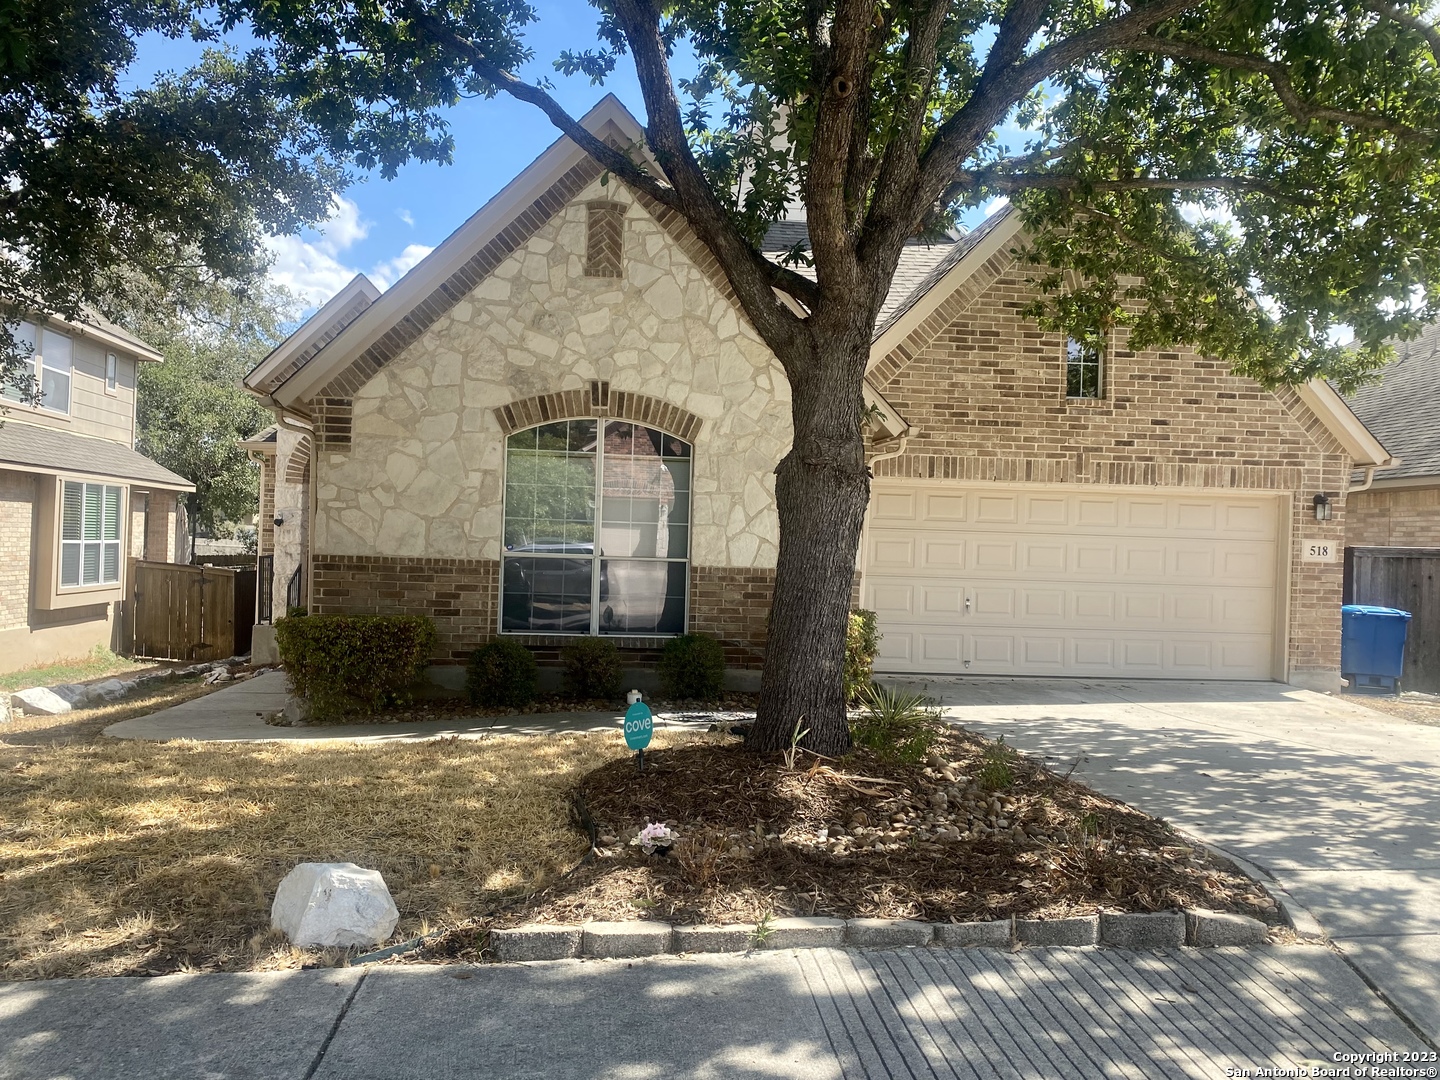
(604, 235)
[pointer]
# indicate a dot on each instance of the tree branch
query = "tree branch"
(608, 156)
(998, 90)
(753, 277)
(1060, 182)
(1413, 22)
(1279, 76)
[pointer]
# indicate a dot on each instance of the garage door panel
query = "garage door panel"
(990, 581)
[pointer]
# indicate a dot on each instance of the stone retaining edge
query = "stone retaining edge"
(1191, 927)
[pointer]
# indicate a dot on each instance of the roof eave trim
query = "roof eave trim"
(305, 334)
(457, 249)
(896, 333)
(137, 349)
(1362, 446)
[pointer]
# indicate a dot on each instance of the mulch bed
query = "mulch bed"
(863, 837)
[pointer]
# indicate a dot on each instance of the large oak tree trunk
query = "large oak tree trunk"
(822, 488)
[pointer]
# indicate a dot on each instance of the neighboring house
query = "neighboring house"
(1401, 508)
(560, 423)
(77, 501)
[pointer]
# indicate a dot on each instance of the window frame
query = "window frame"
(39, 367)
(112, 374)
(102, 492)
(1101, 366)
(596, 557)
(49, 594)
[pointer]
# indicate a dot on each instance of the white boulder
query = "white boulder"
(330, 904)
(40, 701)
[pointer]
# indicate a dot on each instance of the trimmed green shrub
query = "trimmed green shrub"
(502, 672)
(896, 725)
(693, 667)
(592, 668)
(862, 641)
(354, 665)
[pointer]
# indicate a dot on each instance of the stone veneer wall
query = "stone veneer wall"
(423, 474)
(1393, 517)
(987, 392)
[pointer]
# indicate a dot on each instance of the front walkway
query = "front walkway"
(1092, 1014)
(1339, 803)
(237, 714)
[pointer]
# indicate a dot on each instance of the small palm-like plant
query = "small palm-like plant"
(897, 725)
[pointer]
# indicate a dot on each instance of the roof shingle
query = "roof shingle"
(44, 448)
(1401, 408)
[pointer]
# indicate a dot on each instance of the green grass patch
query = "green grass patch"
(99, 663)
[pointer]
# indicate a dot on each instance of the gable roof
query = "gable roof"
(462, 260)
(313, 335)
(1401, 408)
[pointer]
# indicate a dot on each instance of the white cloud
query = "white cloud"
(387, 273)
(312, 265)
(997, 203)
(405, 216)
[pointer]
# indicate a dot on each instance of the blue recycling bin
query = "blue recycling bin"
(1372, 646)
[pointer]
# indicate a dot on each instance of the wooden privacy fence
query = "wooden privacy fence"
(1408, 579)
(189, 613)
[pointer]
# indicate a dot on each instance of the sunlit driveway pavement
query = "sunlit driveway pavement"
(1340, 803)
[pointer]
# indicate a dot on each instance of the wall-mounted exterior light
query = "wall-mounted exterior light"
(1322, 507)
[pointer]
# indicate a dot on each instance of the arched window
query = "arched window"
(572, 483)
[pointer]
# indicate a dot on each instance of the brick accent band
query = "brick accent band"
(463, 597)
(597, 399)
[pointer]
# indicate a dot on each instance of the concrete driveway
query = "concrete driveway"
(1339, 803)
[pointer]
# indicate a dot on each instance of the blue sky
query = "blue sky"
(384, 227)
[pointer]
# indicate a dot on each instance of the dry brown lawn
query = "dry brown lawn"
(124, 858)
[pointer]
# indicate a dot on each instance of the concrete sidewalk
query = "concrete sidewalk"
(237, 714)
(1341, 804)
(824, 1014)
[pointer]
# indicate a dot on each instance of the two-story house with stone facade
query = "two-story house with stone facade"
(560, 423)
(77, 500)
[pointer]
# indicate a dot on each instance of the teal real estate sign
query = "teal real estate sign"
(638, 726)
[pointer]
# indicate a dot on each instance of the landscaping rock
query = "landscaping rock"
(334, 904)
(536, 942)
(1143, 930)
(732, 937)
(1207, 929)
(888, 933)
(40, 701)
(75, 693)
(803, 933)
(624, 940)
(109, 690)
(996, 934)
(1080, 930)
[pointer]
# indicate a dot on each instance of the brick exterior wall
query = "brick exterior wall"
(160, 534)
(463, 597)
(1393, 517)
(17, 515)
(987, 392)
(265, 544)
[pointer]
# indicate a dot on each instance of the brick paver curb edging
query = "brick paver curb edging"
(627, 940)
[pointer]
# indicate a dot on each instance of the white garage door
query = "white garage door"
(1003, 581)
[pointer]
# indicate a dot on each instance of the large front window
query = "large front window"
(597, 529)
